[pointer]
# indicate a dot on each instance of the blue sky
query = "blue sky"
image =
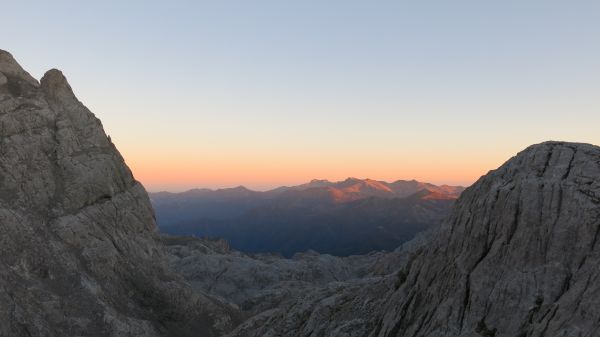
(263, 93)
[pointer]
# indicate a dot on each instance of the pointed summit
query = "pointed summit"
(55, 85)
(11, 69)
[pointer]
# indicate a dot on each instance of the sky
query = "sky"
(268, 93)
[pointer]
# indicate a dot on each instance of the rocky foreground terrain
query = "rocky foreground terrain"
(257, 282)
(80, 254)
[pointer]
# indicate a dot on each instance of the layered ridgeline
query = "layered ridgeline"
(354, 216)
(518, 257)
(79, 254)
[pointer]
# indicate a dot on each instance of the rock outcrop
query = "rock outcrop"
(259, 282)
(519, 256)
(79, 252)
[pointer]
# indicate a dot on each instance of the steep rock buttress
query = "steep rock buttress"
(78, 251)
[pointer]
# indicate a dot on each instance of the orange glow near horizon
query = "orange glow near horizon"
(223, 94)
(179, 172)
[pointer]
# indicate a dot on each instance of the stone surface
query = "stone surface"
(79, 252)
(259, 282)
(517, 257)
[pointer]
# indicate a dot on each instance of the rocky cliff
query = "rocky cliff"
(518, 257)
(79, 254)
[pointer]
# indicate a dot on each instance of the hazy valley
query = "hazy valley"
(354, 216)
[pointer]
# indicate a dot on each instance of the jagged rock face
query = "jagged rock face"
(78, 251)
(517, 257)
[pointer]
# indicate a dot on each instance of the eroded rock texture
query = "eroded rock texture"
(78, 251)
(519, 256)
(259, 282)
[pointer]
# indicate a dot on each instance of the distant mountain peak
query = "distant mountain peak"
(315, 181)
(319, 192)
(237, 188)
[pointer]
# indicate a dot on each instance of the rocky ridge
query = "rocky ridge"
(517, 257)
(79, 252)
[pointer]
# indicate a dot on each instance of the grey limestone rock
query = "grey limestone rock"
(259, 282)
(79, 252)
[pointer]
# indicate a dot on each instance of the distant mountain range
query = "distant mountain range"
(348, 217)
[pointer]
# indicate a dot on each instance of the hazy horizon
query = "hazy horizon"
(271, 187)
(268, 93)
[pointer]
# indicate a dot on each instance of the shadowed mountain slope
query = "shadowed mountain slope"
(354, 216)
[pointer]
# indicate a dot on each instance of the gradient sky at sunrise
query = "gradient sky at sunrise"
(265, 93)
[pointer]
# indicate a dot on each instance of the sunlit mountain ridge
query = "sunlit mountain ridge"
(352, 216)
